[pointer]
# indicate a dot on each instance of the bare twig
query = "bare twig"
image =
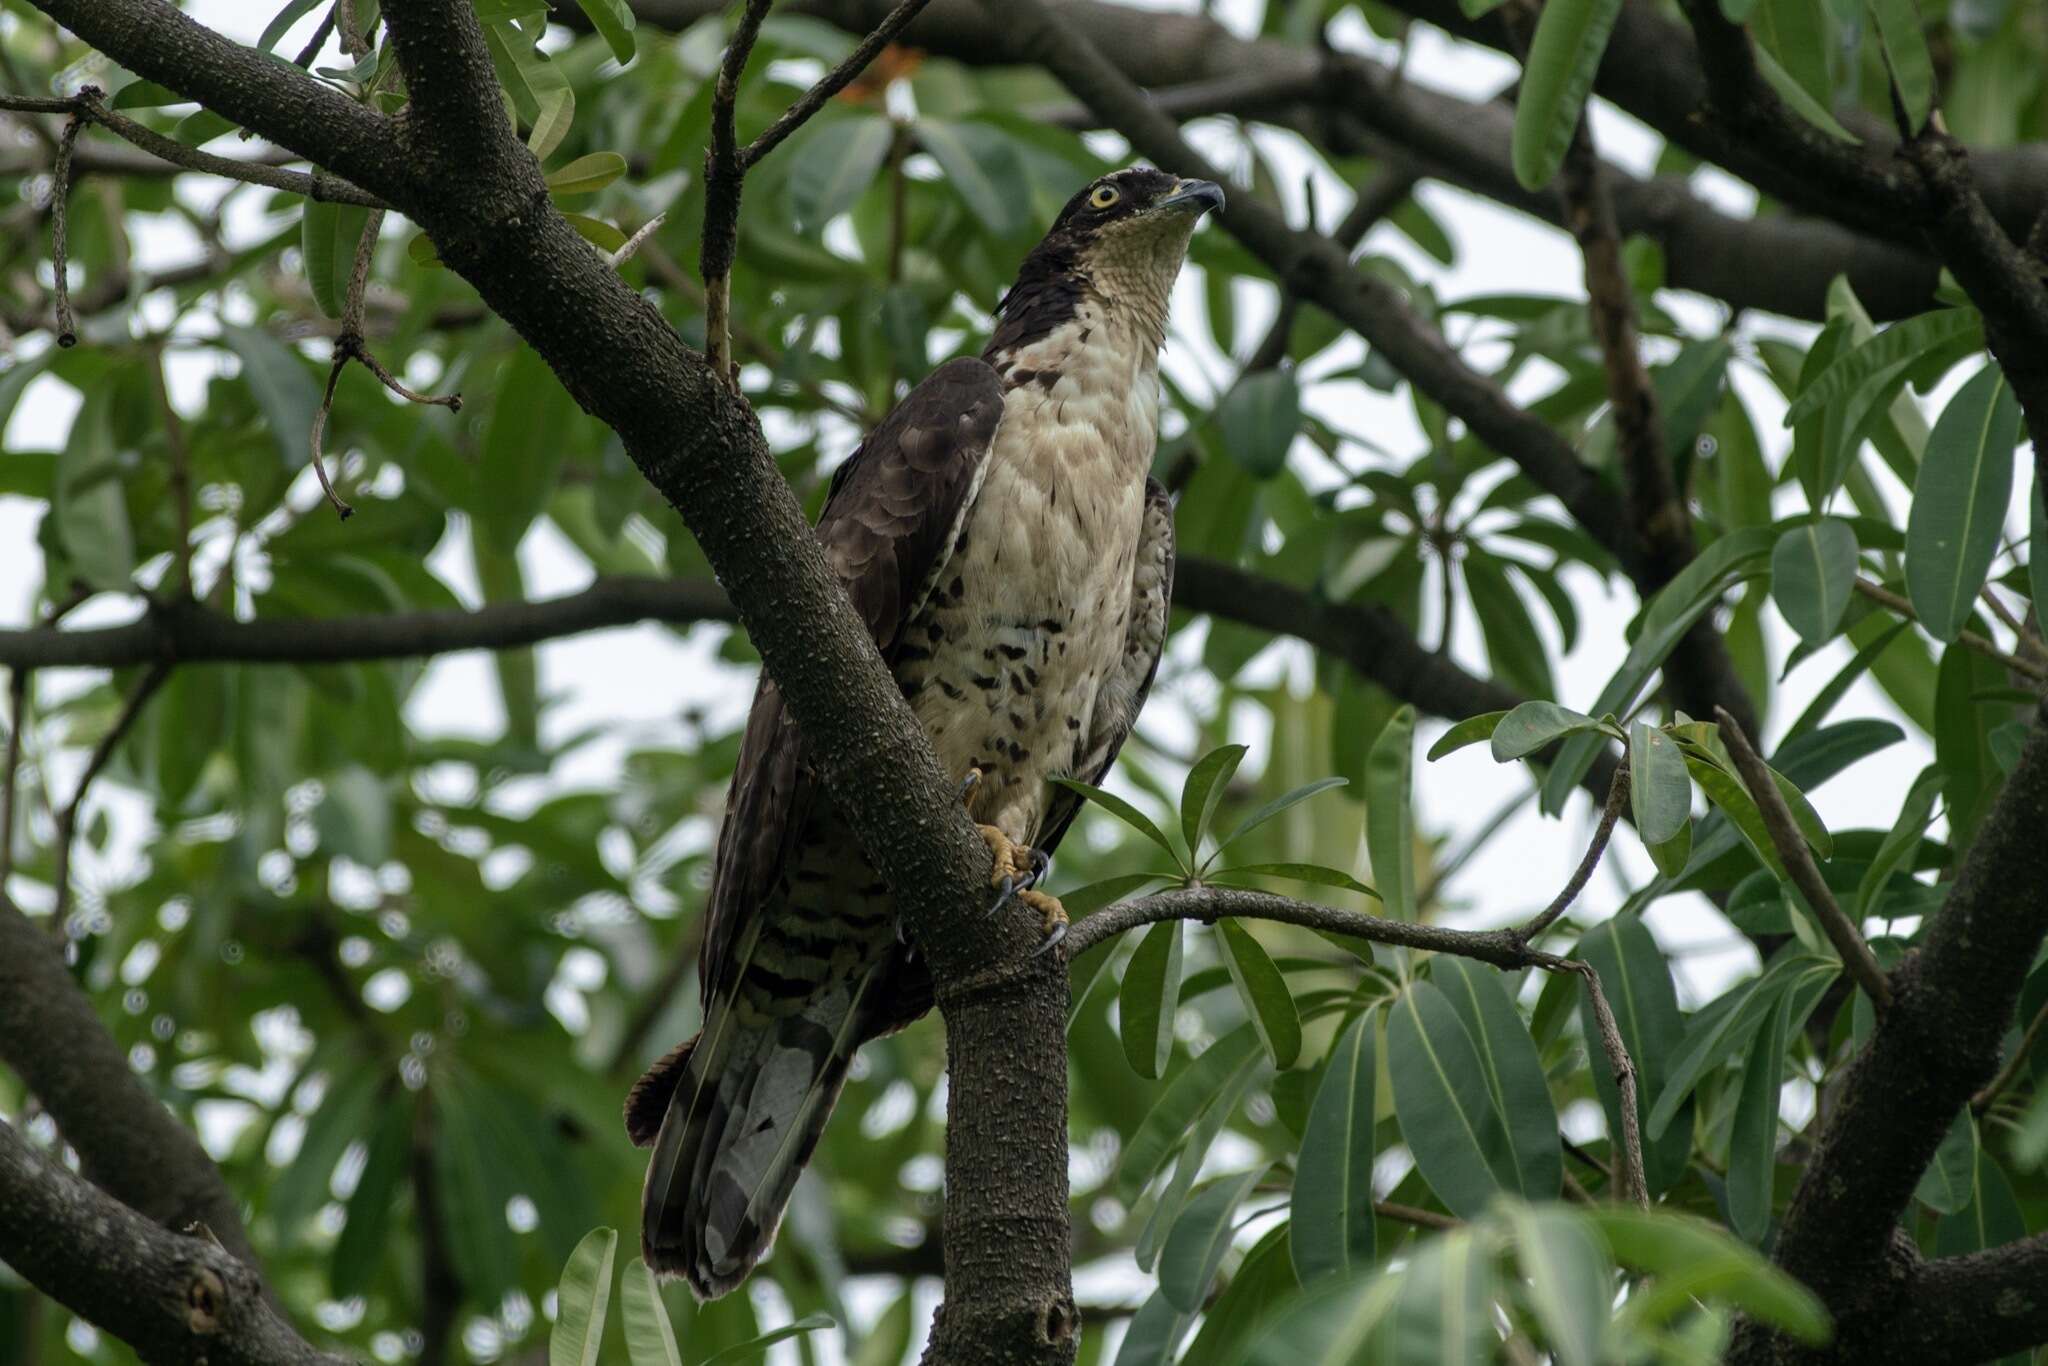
(1969, 640)
(60, 219)
(1799, 865)
(67, 821)
(10, 768)
(1632, 1187)
(633, 244)
(724, 173)
(833, 81)
(1994, 1088)
(342, 509)
(1610, 812)
(316, 185)
(1409, 1214)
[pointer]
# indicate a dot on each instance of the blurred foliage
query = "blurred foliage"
(399, 977)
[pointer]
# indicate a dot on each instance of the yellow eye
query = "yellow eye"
(1104, 196)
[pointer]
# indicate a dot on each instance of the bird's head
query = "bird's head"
(1122, 238)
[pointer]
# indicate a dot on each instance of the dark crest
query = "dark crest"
(1050, 280)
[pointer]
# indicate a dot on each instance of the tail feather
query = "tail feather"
(745, 1105)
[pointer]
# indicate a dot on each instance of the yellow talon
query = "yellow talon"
(1005, 850)
(1053, 915)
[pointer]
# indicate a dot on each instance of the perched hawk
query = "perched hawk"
(1002, 537)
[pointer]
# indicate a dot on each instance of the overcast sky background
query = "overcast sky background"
(636, 681)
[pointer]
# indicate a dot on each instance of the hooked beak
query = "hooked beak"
(1194, 196)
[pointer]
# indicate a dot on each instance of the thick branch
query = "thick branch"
(192, 634)
(172, 1296)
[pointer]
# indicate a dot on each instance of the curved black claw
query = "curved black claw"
(968, 783)
(1041, 866)
(1006, 889)
(1059, 932)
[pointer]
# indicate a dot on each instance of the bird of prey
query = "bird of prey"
(1001, 536)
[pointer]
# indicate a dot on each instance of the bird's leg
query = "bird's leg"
(1017, 872)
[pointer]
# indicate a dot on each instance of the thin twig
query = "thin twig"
(181, 473)
(834, 81)
(340, 505)
(633, 244)
(10, 768)
(354, 41)
(1610, 812)
(1884, 597)
(2024, 640)
(317, 185)
(1633, 1186)
(1409, 1214)
(1984, 1099)
(724, 173)
(1862, 965)
(60, 229)
(67, 821)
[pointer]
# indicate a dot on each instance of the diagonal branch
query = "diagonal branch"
(67, 822)
(831, 83)
(725, 174)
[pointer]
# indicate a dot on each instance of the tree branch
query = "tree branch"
(831, 83)
(725, 173)
(1969, 640)
(67, 822)
(1610, 812)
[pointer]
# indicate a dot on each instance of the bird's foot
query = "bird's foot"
(1053, 922)
(968, 784)
(1018, 871)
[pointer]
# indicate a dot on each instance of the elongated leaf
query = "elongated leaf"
(1148, 997)
(471, 1171)
(1906, 57)
(1753, 1140)
(1443, 1312)
(1277, 805)
(1571, 1282)
(344, 1114)
(1824, 701)
(1259, 419)
(1691, 1257)
(525, 445)
(1122, 810)
(1533, 1163)
(754, 1347)
(983, 166)
(1299, 872)
(1726, 1027)
(1262, 1283)
(1093, 897)
(1795, 33)
(279, 25)
(1949, 1183)
(1636, 980)
(586, 174)
(1902, 341)
(1813, 572)
(1571, 36)
(1331, 1231)
(650, 1337)
(1533, 725)
(613, 19)
(1184, 1097)
(328, 237)
(284, 390)
(1389, 819)
(1442, 1101)
(1155, 1333)
(1469, 731)
(582, 1299)
(1959, 502)
(361, 1247)
(1264, 992)
(833, 164)
(1204, 787)
(1513, 645)
(1659, 788)
(1901, 839)
(1194, 1153)
(1201, 1236)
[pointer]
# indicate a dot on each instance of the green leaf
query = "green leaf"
(345, 1112)
(1204, 787)
(1299, 872)
(1148, 997)
(1906, 57)
(361, 1248)
(581, 1300)
(1571, 37)
(1949, 1183)
(1571, 1282)
(1122, 810)
(983, 166)
(1824, 701)
(1389, 819)
(586, 174)
(1690, 1257)
(1813, 573)
(328, 237)
(613, 19)
(1725, 1027)
(1262, 1283)
(595, 231)
(1796, 35)
(1659, 789)
(1532, 1163)
(1442, 1101)
(1469, 731)
(1533, 726)
(650, 1337)
(1331, 1229)
(1093, 897)
(1905, 341)
(1194, 1154)
(1901, 840)
(88, 506)
(471, 1171)
(1443, 1311)
(753, 1347)
(1753, 1136)
(1201, 1236)
(833, 164)
(1993, 1217)
(525, 445)
(280, 24)
(1258, 419)
(1959, 502)
(1513, 645)
(284, 391)
(1287, 799)
(1637, 982)
(1264, 991)
(1185, 1096)
(1155, 1333)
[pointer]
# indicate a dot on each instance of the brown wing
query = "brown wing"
(1123, 696)
(889, 524)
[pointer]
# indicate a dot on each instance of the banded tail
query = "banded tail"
(734, 1115)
